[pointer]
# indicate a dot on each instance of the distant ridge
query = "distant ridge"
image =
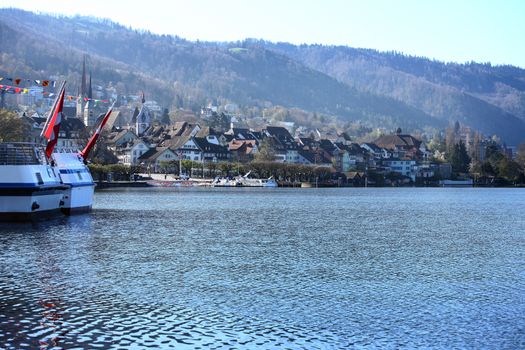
(379, 89)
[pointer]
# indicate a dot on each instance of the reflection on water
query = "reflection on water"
(281, 268)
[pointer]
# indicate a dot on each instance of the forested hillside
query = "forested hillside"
(478, 95)
(378, 89)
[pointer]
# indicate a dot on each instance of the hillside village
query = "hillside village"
(143, 136)
(141, 142)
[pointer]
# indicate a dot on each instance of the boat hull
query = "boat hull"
(78, 199)
(33, 216)
(174, 183)
(30, 203)
(245, 182)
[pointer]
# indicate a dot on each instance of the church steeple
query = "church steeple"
(143, 119)
(90, 91)
(89, 115)
(83, 83)
(82, 92)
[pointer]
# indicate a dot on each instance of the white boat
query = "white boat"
(173, 183)
(244, 181)
(75, 173)
(225, 182)
(30, 187)
(247, 182)
(78, 198)
(37, 182)
(456, 183)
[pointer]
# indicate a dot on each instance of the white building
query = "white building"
(405, 167)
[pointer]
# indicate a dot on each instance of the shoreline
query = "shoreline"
(102, 185)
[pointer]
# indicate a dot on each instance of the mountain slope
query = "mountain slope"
(200, 71)
(488, 98)
(378, 89)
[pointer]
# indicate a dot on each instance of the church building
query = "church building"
(85, 103)
(141, 119)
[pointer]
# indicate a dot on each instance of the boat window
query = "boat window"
(79, 175)
(39, 178)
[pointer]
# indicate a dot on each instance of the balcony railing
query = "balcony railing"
(14, 153)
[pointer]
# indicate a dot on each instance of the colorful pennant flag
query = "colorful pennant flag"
(18, 81)
(18, 90)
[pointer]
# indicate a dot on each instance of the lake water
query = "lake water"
(272, 269)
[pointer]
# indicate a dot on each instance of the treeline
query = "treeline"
(498, 168)
(487, 161)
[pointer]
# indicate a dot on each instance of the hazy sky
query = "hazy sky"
(447, 30)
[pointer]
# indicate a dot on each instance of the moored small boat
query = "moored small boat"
(243, 181)
(225, 182)
(173, 183)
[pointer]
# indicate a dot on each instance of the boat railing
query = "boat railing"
(19, 153)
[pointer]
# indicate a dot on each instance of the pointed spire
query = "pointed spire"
(135, 114)
(90, 91)
(83, 83)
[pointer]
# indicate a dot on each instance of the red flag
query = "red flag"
(52, 126)
(45, 83)
(95, 136)
(17, 81)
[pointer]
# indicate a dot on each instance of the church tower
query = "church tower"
(89, 115)
(82, 93)
(143, 119)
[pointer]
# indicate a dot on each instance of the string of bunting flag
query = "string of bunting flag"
(19, 90)
(18, 81)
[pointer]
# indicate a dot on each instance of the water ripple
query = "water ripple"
(290, 269)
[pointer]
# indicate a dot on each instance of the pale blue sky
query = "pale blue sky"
(448, 30)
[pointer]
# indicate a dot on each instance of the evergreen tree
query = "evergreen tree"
(460, 159)
(219, 121)
(509, 169)
(493, 154)
(165, 118)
